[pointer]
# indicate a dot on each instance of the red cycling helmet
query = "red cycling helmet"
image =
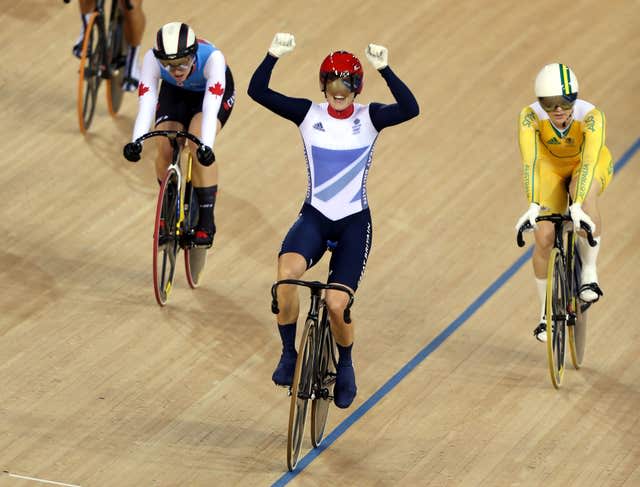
(343, 65)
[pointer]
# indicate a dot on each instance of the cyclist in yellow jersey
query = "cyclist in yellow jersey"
(562, 143)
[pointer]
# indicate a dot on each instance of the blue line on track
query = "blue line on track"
(426, 351)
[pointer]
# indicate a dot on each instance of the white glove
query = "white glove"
(377, 55)
(281, 44)
(578, 215)
(529, 216)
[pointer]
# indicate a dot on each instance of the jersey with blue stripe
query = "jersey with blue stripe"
(338, 154)
(196, 80)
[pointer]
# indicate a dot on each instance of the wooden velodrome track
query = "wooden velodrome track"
(101, 387)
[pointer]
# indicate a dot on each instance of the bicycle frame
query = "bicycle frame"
(568, 255)
(321, 323)
(173, 135)
(315, 367)
(104, 37)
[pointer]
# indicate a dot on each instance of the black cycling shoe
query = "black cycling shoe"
(344, 391)
(202, 238)
(283, 375)
(130, 84)
(77, 49)
(540, 332)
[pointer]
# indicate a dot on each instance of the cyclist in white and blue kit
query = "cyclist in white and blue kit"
(338, 138)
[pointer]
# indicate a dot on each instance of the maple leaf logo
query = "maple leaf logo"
(216, 89)
(142, 89)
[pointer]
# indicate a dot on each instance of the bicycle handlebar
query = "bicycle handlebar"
(314, 286)
(171, 134)
(555, 218)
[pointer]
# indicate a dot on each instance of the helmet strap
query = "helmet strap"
(568, 121)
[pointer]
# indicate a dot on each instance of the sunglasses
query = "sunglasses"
(182, 63)
(350, 81)
(550, 103)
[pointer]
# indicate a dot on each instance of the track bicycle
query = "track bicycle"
(565, 312)
(315, 372)
(104, 55)
(175, 220)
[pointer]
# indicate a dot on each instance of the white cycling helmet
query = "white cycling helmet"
(556, 80)
(175, 40)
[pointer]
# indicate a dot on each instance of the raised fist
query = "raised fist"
(377, 56)
(281, 44)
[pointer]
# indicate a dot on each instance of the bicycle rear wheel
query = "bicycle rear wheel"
(166, 239)
(300, 393)
(195, 258)
(578, 332)
(89, 73)
(556, 309)
(325, 380)
(117, 62)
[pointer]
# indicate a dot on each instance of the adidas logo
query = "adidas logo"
(553, 141)
(318, 126)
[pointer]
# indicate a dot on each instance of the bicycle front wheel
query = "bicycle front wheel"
(300, 393)
(578, 332)
(89, 73)
(325, 380)
(556, 311)
(117, 62)
(166, 238)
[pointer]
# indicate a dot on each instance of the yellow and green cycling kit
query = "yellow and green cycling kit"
(551, 157)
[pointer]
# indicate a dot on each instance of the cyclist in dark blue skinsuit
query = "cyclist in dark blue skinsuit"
(338, 137)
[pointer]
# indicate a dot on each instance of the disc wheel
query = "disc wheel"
(300, 394)
(89, 74)
(166, 238)
(117, 62)
(556, 311)
(578, 332)
(195, 258)
(324, 382)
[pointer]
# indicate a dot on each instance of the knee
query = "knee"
(336, 303)
(544, 236)
(289, 271)
(291, 266)
(164, 152)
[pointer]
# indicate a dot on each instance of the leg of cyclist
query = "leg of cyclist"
(134, 23)
(164, 150)
(86, 9)
(590, 290)
(302, 247)
(291, 265)
(553, 199)
(205, 184)
(345, 389)
(544, 237)
(348, 262)
(205, 179)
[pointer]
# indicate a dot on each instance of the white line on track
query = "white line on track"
(24, 477)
